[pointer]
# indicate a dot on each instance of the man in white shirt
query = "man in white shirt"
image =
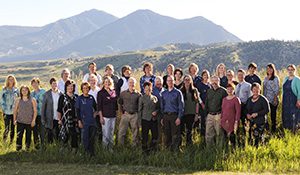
(93, 71)
(65, 75)
(49, 111)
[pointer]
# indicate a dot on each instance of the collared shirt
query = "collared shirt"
(8, 97)
(87, 75)
(55, 97)
(147, 105)
(214, 99)
(157, 92)
(243, 91)
(129, 101)
(61, 86)
(38, 96)
(172, 101)
(271, 90)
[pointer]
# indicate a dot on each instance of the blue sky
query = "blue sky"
(248, 19)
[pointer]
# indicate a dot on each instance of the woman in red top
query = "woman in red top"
(231, 112)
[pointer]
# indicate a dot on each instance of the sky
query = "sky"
(248, 19)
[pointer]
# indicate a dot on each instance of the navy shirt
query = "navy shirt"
(86, 107)
(253, 79)
(202, 88)
(172, 101)
(224, 81)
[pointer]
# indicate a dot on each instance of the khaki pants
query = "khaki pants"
(126, 120)
(213, 132)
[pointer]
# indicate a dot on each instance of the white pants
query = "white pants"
(108, 130)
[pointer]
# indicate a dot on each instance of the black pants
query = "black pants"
(172, 132)
(89, 133)
(146, 127)
(203, 116)
(187, 127)
(20, 131)
(229, 137)
(9, 127)
(38, 132)
(52, 133)
(72, 135)
(256, 133)
(99, 129)
(273, 117)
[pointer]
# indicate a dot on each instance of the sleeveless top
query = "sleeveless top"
(124, 86)
(25, 111)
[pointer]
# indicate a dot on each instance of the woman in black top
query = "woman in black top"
(178, 73)
(67, 116)
(221, 73)
(257, 109)
(170, 71)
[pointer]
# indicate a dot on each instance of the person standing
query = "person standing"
(203, 87)
(107, 108)
(93, 81)
(178, 75)
(230, 77)
(291, 99)
(8, 96)
(193, 72)
(257, 109)
(129, 103)
(243, 92)
(92, 71)
(191, 108)
(67, 116)
(252, 77)
(170, 71)
(157, 90)
(213, 107)
(86, 110)
(122, 84)
(109, 72)
(230, 116)
(172, 105)
(38, 95)
(148, 77)
(221, 73)
(49, 117)
(271, 92)
(65, 76)
(148, 112)
(25, 113)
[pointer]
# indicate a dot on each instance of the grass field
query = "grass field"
(281, 154)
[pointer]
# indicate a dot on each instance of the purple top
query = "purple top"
(231, 112)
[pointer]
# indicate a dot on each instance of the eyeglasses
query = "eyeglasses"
(187, 79)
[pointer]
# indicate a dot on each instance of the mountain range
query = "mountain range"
(96, 32)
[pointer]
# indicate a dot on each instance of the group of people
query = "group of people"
(169, 107)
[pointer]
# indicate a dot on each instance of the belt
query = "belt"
(131, 113)
(171, 113)
(214, 113)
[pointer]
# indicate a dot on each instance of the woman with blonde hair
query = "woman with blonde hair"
(221, 73)
(107, 109)
(8, 96)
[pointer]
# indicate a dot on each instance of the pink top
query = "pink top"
(231, 112)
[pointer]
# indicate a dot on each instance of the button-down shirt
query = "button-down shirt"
(271, 90)
(172, 101)
(7, 98)
(214, 99)
(243, 91)
(129, 101)
(147, 105)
